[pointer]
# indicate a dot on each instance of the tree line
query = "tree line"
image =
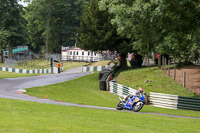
(145, 26)
(139, 26)
(44, 25)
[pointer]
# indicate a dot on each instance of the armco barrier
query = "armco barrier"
(25, 71)
(120, 90)
(163, 100)
(174, 101)
(94, 68)
(188, 103)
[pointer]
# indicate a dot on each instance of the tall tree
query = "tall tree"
(4, 35)
(181, 23)
(13, 22)
(98, 34)
(53, 22)
(168, 27)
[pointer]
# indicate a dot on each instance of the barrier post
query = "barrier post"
(51, 65)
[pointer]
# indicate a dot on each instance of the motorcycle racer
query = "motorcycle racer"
(139, 93)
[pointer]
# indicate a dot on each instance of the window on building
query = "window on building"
(77, 53)
(70, 52)
(82, 53)
(74, 53)
(88, 53)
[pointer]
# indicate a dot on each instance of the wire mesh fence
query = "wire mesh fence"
(10, 63)
(27, 64)
(54, 56)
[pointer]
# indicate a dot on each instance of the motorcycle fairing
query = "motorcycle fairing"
(129, 104)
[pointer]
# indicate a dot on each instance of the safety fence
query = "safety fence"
(163, 100)
(188, 103)
(174, 101)
(27, 64)
(26, 71)
(158, 99)
(120, 90)
(93, 68)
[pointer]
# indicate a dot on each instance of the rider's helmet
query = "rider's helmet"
(140, 90)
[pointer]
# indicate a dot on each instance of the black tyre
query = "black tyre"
(137, 106)
(119, 106)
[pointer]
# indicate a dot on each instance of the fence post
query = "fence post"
(184, 79)
(159, 61)
(168, 67)
(163, 61)
(174, 71)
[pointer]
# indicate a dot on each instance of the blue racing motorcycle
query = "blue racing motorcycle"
(134, 103)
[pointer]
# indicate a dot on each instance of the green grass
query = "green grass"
(14, 75)
(105, 63)
(68, 65)
(29, 117)
(85, 90)
(161, 83)
(34, 64)
(100, 63)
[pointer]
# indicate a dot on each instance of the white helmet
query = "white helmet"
(140, 90)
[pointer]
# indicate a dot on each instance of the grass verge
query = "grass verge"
(28, 117)
(159, 81)
(105, 63)
(85, 90)
(100, 63)
(68, 65)
(14, 75)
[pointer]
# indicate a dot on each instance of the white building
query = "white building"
(77, 54)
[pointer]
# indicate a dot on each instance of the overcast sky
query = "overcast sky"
(23, 3)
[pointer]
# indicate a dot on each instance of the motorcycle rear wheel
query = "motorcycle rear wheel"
(119, 106)
(137, 106)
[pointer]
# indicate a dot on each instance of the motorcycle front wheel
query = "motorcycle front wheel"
(119, 106)
(137, 106)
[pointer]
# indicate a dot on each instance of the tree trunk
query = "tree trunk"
(10, 50)
(1, 55)
(47, 26)
(123, 62)
(47, 35)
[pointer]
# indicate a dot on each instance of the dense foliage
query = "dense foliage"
(167, 27)
(12, 24)
(145, 26)
(53, 23)
(98, 34)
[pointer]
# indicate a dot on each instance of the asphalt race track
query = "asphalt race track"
(12, 88)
